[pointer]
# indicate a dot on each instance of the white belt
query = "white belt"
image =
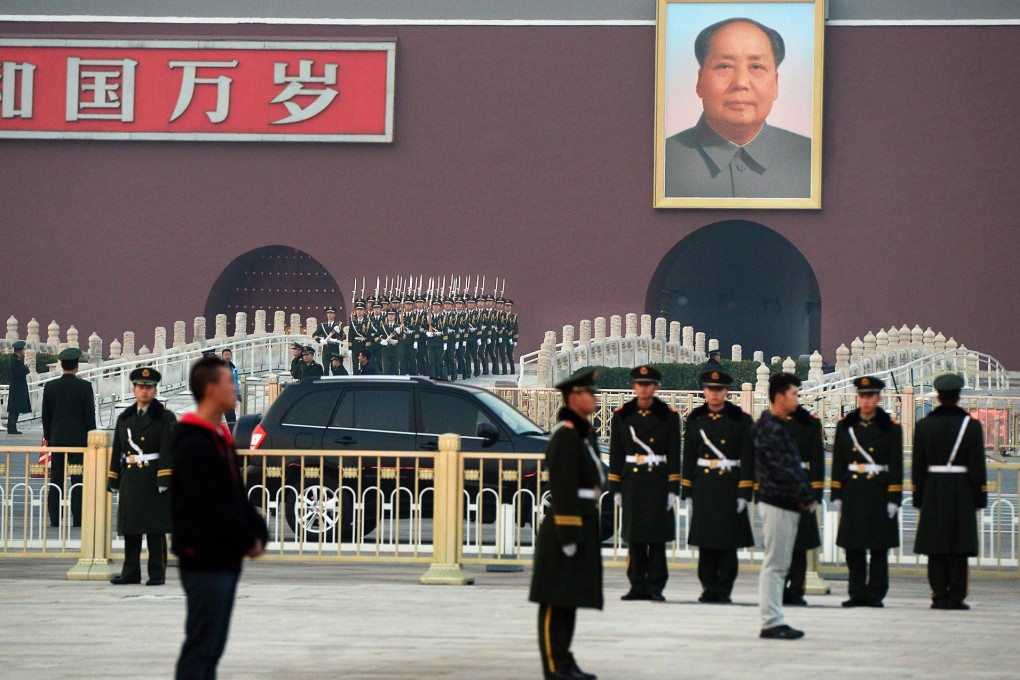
(140, 458)
(955, 469)
(869, 469)
(650, 459)
(590, 494)
(724, 463)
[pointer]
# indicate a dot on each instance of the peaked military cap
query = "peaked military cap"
(19, 344)
(713, 377)
(70, 354)
(296, 345)
(307, 349)
(331, 308)
(509, 302)
(645, 374)
(359, 305)
(583, 380)
(390, 311)
(376, 304)
(714, 353)
(869, 385)
(144, 375)
(337, 358)
(948, 382)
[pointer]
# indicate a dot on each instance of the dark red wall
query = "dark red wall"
(527, 152)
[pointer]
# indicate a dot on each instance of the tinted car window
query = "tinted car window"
(312, 409)
(442, 413)
(368, 409)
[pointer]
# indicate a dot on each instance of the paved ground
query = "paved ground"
(366, 621)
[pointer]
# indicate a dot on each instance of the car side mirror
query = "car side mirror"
(488, 432)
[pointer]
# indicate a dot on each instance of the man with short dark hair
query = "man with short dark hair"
(295, 362)
(784, 492)
(68, 413)
(309, 367)
(365, 365)
(714, 363)
(228, 356)
(17, 397)
(215, 526)
(567, 570)
(329, 334)
(810, 440)
(949, 488)
(336, 366)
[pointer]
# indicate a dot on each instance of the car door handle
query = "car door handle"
(345, 441)
(429, 446)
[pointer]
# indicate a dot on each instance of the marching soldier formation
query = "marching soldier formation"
(449, 332)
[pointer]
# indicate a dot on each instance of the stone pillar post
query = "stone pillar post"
(815, 372)
(916, 337)
(584, 336)
(713, 344)
(53, 334)
(928, 341)
(952, 347)
(310, 324)
(260, 322)
(894, 338)
(759, 356)
(95, 349)
(631, 331)
(614, 326)
(30, 356)
(180, 338)
(688, 334)
(940, 343)
(295, 324)
(775, 360)
(241, 325)
(699, 343)
(675, 333)
(279, 322)
(762, 374)
(33, 332)
(789, 366)
(600, 328)
(12, 328)
(159, 343)
(842, 358)
(221, 327)
(199, 336)
(646, 325)
(736, 353)
(144, 350)
(881, 343)
(72, 337)
(660, 329)
(856, 351)
(115, 349)
(869, 345)
(568, 337)
(129, 344)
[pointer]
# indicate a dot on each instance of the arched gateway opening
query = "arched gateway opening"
(742, 283)
(274, 278)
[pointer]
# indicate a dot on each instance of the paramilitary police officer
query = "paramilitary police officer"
(568, 562)
(390, 334)
(718, 480)
(140, 468)
(807, 433)
(296, 363)
(867, 488)
(360, 330)
(309, 367)
(513, 331)
(435, 332)
(329, 334)
(949, 488)
(17, 397)
(644, 475)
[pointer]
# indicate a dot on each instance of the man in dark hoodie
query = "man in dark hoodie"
(784, 492)
(215, 526)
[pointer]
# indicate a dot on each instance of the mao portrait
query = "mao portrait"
(734, 129)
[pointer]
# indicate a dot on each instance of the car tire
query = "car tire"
(319, 510)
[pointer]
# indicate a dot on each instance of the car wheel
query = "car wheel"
(320, 508)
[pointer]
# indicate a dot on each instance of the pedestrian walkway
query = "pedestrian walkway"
(376, 622)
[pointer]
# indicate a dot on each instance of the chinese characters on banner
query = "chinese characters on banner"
(190, 90)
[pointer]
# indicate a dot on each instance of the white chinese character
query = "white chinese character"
(9, 91)
(103, 85)
(295, 87)
(190, 78)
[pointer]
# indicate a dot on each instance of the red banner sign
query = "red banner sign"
(197, 90)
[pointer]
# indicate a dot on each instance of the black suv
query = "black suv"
(379, 413)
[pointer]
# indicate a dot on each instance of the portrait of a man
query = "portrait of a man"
(737, 144)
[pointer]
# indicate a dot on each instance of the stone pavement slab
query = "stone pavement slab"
(375, 622)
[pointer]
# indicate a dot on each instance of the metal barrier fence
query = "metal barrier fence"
(445, 508)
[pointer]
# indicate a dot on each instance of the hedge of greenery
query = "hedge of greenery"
(42, 362)
(685, 376)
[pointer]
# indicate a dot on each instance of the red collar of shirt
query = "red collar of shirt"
(221, 430)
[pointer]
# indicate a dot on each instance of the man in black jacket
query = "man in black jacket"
(214, 524)
(17, 400)
(784, 492)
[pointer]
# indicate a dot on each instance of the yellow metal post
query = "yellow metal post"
(273, 391)
(95, 563)
(447, 524)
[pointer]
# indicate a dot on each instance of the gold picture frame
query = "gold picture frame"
(708, 105)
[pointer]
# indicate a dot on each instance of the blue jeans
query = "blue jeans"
(210, 601)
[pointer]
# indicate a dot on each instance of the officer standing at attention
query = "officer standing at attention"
(140, 468)
(360, 335)
(296, 363)
(713, 364)
(336, 366)
(807, 434)
(513, 330)
(389, 343)
(435, 329)
(17, 399)
(644, 476)
(329, 334)
(473, 339)
(68, 413)
(568, 562)
(718, 480)
(867, 488)
(309, 367)
(949, 488)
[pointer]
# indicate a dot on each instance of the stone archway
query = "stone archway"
(744, 284)
(274, 278)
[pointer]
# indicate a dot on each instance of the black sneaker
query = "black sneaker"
(782, 632)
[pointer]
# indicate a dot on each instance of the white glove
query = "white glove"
(670, 501)
(618, 499)
(334, 341)
(164, 489)
(570, 549)
(838, 504)
(479, 342)
(741, 505)
(499, 340)
(456, 345)
(321, 341)
(444, 346)
(891, 508)
(430, 334)
(690, 508)
(416, 344)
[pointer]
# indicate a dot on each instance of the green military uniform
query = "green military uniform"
(867, 480)
(359, 329)
(389, 344)
(512, 334)
(17, 397)
(473, 337)
(449, 340)
(421, 325)
(409, 340)
(714, 483)
(310, 369)
(462, 339)
(949, 488)
(141, 465)
(568, 559)
(644, 468)
(336, 367)
(375, 329)
(329, 335)
(68, 414)
(501, 336)
(807, 433)
(296, 363)
(435, 330)
(489, 337)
